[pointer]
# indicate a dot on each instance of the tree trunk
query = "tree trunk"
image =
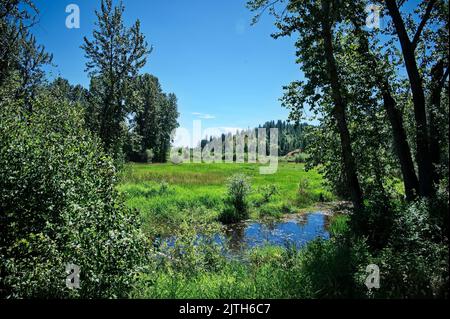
(437, 74)
(339, 114)
(401, 144)
(423, 157)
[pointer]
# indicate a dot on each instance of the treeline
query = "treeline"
(291, 136)
(145, 132)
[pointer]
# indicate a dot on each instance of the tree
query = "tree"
(59, 205)
(314, 22)
(155, 117)
(15, 16)
(115, 55)
(408, 47)
(19, 52)
(381, 71)
(168, 119)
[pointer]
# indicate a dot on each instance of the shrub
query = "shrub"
(266, 192)
(417, 254)
(339, 225)
(300, 158)
(375, 221)
(275, 209)
(304, 195)
(148, 156)
(328, 268)
(59, 205)
(236, 202)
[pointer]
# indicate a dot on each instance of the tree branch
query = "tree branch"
(422, 24)
(443, 79)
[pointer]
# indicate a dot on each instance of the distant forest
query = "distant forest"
(291, 136)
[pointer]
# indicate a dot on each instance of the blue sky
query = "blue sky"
(223, 70)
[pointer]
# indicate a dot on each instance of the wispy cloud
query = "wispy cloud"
(203, 116)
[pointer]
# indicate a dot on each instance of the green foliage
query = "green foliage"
(115, 56)
(321, 269)
(266, 192)
(20, 54)
(339, 225)
(236, 202)
(417, 252)
(59, 205)
(275, 209)
(328, 268)
(154, 120)
(291, 136)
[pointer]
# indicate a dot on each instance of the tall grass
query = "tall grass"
(191, 187)
(321, 269)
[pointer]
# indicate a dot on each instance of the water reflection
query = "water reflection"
(297, 231)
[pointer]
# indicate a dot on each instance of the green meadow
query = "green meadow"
(166, 194)
(186, 199)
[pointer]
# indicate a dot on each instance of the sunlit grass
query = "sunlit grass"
(167, 193)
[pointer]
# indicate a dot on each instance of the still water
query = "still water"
(297, 231)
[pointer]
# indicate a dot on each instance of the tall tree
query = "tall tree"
(19, 52)
(155, 117)
(408, 46)
(315, 21)
(115, 55)
(380, 71)
(339, 110)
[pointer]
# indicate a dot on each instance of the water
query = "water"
(297, 231)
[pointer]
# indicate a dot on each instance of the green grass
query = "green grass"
(165, 194)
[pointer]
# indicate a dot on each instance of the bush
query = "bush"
(329, 268)
(148, 156)
(300, 158)
(375, 221)
(266, 192)
(304, 194)
(415, 263)
(236, 202)
(59, 205)
(275, 209)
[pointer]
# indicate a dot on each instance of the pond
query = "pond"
(296, 230)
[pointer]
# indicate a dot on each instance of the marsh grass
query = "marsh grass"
(166, 194)
(200, 271)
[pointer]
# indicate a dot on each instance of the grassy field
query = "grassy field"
(187, 199)
(166, 194)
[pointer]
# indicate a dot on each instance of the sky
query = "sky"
(224, 71)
